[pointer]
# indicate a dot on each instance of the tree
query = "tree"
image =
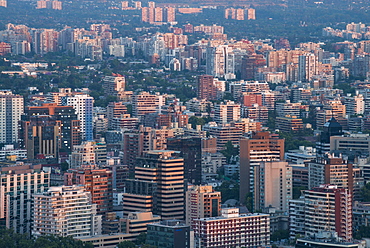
(64, 166)
(10, 239)
(141, 239)
(365, 193)
(126, 244)
(279, 235)
(230, 151)
(362, 232)
(194, 121)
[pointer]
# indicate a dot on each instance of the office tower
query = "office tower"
(328, 169)
(65, 211)
(273, 185)
(169, 233)
(140, 196)
(70, 125)
(232, 229)
(227, 112)
(262, 147)
(191, 151)
(83, 105)
(158, 185)
(202, 202)
(325, 209)
(96, 181)
(17, 186)
(134, 144)
(330, 128)
(114, 85)
(146, 103)
(166, 168)
(12, 110)
(42, 136)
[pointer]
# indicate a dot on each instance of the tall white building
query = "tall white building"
(83, 105)
(273, 184)
(307, 67)
(17, 185)
(11, 109)
(325, 208)
(227, 112)
(355, 105)
(65, 211)
(220, 61)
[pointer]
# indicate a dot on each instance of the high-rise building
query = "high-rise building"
(232, 229)
(169, 14)
(262, 147)
(70, 125)
(115, 110)
(11, 111)
(17, 185)
(331, 128)
(166, 168)
(42, 136)
(145, 103)
(45, 40)
(251, 14)
(114, 85)
(83, 155)
(202, 202)
(83, 105)
(206, 88)
(158, 185)
(191, 151)
(273, 185)
(3, 3)
(325, 208)
(307, 67)
(227, 112)
(328, 169)
(65, 211)
(96, 181)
